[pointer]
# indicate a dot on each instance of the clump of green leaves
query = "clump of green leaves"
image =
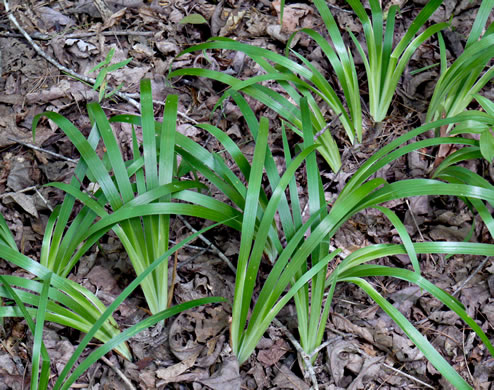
(139, 192)
(467, 75)
(301, 79)
(43, 307)
(305, 255)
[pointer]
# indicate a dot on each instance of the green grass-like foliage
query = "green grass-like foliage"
(467, 75)
(383, 64)
(67, 303)
(139, 193)
(116, 340)
(141, 207)
(305, 256)
(306, 253)
(384, 67)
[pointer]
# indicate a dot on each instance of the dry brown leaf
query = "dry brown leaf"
(292, 15)
(344, 355)
(170, 373)
(227, 377)
(286, 379)
(26, 202)
(346, 325)
(273, 354)
(51, 18)
(114, 19)
(20, 174)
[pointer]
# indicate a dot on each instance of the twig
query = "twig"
(305, 357)
(40, 51)
(324, 345)
(125, 96)
(174, 276)
(408, 376)
(477, 270)
(119, 373)
(195, 247)
(48, 37)
(321, 132)
(210, 244)
(339, 9)
(465, 357)
(416, 224)
(61, 157)
(32, 188)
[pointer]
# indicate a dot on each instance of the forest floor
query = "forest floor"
(363, 348)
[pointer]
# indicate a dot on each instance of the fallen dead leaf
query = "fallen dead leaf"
(273, 354)
(170, 373)
(227, 377)
(292, 15)
(286, 379)
(344, 355)
(20, 174)
(26, 202)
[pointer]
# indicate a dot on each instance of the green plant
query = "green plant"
(306, 254)
(141, 222)
(140, 209)
(461, 81)
(39, 380)
(68, 303)
(384, 68)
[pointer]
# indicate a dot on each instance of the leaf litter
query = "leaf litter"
(192, 350)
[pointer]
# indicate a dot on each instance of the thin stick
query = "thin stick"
(125, 96)
(414, 220)
(48, 37)
(119, 373)
(32, 188)
(477, 270)
(465, 357)
(305, 357)
(172, 286)
(215, 249)
(324, 345)
(408, 376)
(61, 157)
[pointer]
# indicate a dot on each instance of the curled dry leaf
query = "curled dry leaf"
(286, 379)
(272, 355)
(199, 332)
(20, 174)
(51, 18)
(26, 202)
(114, 19)
(81, 48)
(292, 15)
(227, 377)
(344, 355)
(169, 374)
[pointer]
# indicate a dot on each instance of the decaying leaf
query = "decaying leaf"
(286, 379)
(169, 374)
(272, 355)
(227, 377)
(194, 19)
